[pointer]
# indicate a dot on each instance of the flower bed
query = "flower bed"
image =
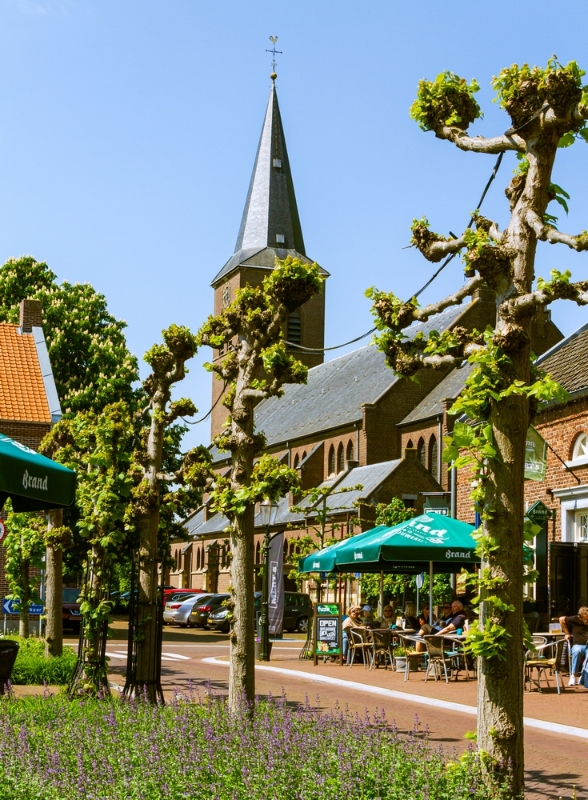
(51, 748)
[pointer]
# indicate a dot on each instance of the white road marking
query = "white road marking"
(176, 655)
(530, 722)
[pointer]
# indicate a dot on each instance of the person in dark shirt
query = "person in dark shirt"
(576, 630)
(448, 623)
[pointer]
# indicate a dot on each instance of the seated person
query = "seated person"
(423, 618)
(448, 624)
(387, 620)
(353, 620)
(576, 630)
(410, 617)
(367, 617)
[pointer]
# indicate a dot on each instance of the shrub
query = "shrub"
(108, 750)
(32, 667)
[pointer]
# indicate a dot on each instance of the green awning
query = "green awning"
(406, 548)
(32, 481)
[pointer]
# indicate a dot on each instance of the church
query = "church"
(355, 423)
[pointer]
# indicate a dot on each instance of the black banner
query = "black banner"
(276, 585)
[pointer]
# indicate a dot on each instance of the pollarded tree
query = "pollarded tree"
(164, 484)
(255, 367)
(548, 108)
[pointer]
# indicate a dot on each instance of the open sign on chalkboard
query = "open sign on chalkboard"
(327, 631)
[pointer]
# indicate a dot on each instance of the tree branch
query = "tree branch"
(560, 290)
(455, 299)
(548, 234)
(437, 249)
(253, 394)
(480, 144)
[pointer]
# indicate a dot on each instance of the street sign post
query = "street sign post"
(13, 607)
(540, 515)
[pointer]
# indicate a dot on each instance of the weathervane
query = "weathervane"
(273, 51)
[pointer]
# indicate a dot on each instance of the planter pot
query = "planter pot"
(258, 648)
(400, 663)
(413, 664)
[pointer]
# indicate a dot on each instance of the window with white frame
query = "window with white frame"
(581, 531)
(580, 450)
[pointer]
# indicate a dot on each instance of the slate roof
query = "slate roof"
(567, 361)
(23, 396)
(270, 209)
(336, 390)
(370, 477)
(449, 388)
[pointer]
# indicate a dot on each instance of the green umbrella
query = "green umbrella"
(32, 481)
(446, 542)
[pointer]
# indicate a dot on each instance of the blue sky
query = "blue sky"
(129, 127)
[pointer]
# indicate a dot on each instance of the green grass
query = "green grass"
(32, 667)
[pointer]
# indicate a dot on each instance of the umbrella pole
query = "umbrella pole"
(431, 592)
(381, 609)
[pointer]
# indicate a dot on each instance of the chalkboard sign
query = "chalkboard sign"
(327, 631)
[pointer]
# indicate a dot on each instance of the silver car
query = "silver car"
(177, 612)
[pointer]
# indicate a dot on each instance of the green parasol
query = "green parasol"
(446, 542)
(32, 481)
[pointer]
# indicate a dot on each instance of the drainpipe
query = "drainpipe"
(440, 450)
(357, 443)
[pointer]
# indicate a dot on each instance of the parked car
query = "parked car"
(218, 620)
(297, 610)
(204, 606)
(71, 614)
(175, 594)
(177, 612)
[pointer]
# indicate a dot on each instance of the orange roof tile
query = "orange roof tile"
(22, 390)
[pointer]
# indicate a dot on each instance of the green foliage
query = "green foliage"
(522, 90)
(270, 480)
(448, 100)
(24, 547)
(91, 363)
(393, 513)
(32, 667)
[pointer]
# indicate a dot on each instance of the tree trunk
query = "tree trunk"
(148, 655)
(23, 623)
(91, 675)
(54, 591)
(242, 653)
(500, 682)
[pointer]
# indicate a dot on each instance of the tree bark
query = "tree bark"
(148, 655)
(242, 652)
(54, 591)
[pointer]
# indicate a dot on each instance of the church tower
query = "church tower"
(270, 229)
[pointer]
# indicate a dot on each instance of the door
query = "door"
(568, 577)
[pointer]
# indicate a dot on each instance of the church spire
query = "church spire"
(270, 219)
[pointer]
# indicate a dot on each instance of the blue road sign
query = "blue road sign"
(13, 606)
(420, 579)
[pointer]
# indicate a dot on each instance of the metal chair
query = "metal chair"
(382, 648)
(439, 658)
(8, 653)
(359, 641)
(411, 656)
(541, 665)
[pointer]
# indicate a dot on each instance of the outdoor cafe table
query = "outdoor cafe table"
(551, 636)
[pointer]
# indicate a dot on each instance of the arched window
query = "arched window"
(294, 328)
(258, 553)
(421, 452)
(350, 451)
(304, 455)
(296, 461)
(340, 458)
(433, 458)
(331, 466)
(198, 558)
(409, 444)
(580, 447)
